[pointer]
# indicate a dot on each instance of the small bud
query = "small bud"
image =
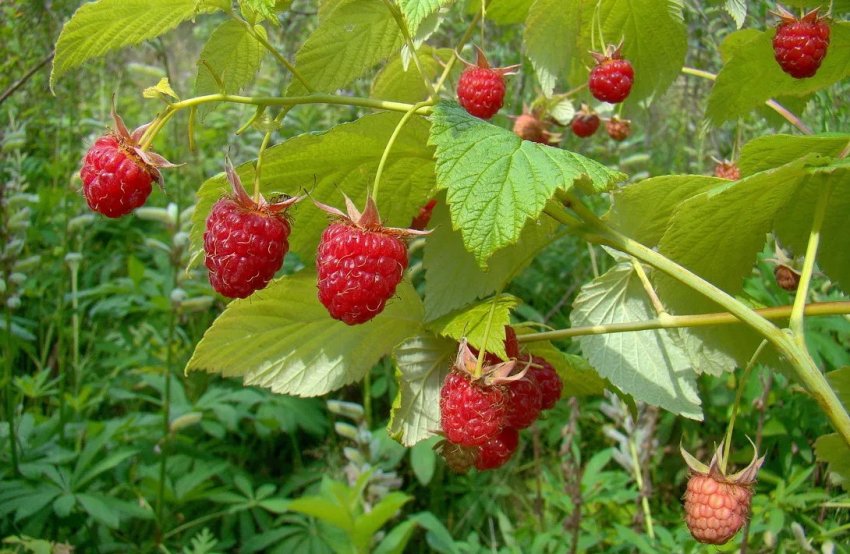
(17, 278)
(178, 296)
(186, 420)
(346, 409)
(13, 302)
(348, 431)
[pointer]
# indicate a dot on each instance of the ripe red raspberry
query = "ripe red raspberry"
(244, 241)
(360, 263)
(471, 413)
(727, 170)
(717, 505)
(481, 88)
(117, 173)
(800, 45)
(548, 381)
(511, 343)
(618, 129)
(420, 220)
(498, 450)
(585, 122)
(524, 402)
(612, 78)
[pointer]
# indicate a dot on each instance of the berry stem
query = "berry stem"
(156, 127)
(679, 321)
(463, 40)
(259, 166)
(402, 25)
(483, 350)
(772, 104)
(274, 52)
(727, 443)
(404, 119)
(644, 501)
(796, 322)
(647, 286)
(802, 363)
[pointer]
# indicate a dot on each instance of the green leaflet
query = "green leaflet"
(282, 338)
(471, 322)
(495, 182)
(231, 56)
(97, 28)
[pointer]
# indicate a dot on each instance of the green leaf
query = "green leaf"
(472, 322)
(342, 159)
(649, 365)
(423, 460)
(282, 338)
(578, 376)
(794, 223)
(366, 525)
(422, 363)
(396, 83)
(752, 62)
(100, 27)
(833, 449)
(415, 11)
(643, 210)
(396, 540)
(550, 39)
(348, 42)
(656, 50)
(840, 381)
(325, 510)
(502, 12)
(95, 506)
(449, 286)
(738, 10)
(230, 59)
(769, 151)
(63, 505)
(496, 182)
(160, 90)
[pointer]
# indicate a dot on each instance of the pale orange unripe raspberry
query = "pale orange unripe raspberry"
(716, 510)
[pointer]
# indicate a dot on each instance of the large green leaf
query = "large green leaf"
(578, 376)
(393, 82)
(231, 57)
(752, 62)
(422, 364)
(835, 451)
(551, 30)
(100, 27)
(282, 338)
(643, 210)
(649, 365)
(769, 151)
(654, 41)
(348, 42)
(496, 182)
(503, 12)
(343, 159)
(415, 11)
(452, 285)
(472, 323)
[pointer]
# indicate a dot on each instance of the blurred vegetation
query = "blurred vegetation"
(99, 317)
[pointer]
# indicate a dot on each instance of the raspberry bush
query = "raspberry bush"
(430, 145)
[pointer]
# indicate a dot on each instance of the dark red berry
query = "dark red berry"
(547, 379)
(471, 413)
(244, 241)
(497, 450)
(800, 45)
(612, 78)
(511, 343)
(787, 278)
(420, 220)
(114, 181)
(459, 458)
(618, 129)
(585, 123)
(524, 402)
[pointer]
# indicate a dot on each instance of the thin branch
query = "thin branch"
(27, 76)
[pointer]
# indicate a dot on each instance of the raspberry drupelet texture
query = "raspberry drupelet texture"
(611, 79)
(524, 402)
(585, 124)
(548, 381)
(618, 129)
(800, 45)
(481, 91)
(498, 450)
(716, 510)
(244, 247)
(359, 271)
(114, 182)
(471, 414)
